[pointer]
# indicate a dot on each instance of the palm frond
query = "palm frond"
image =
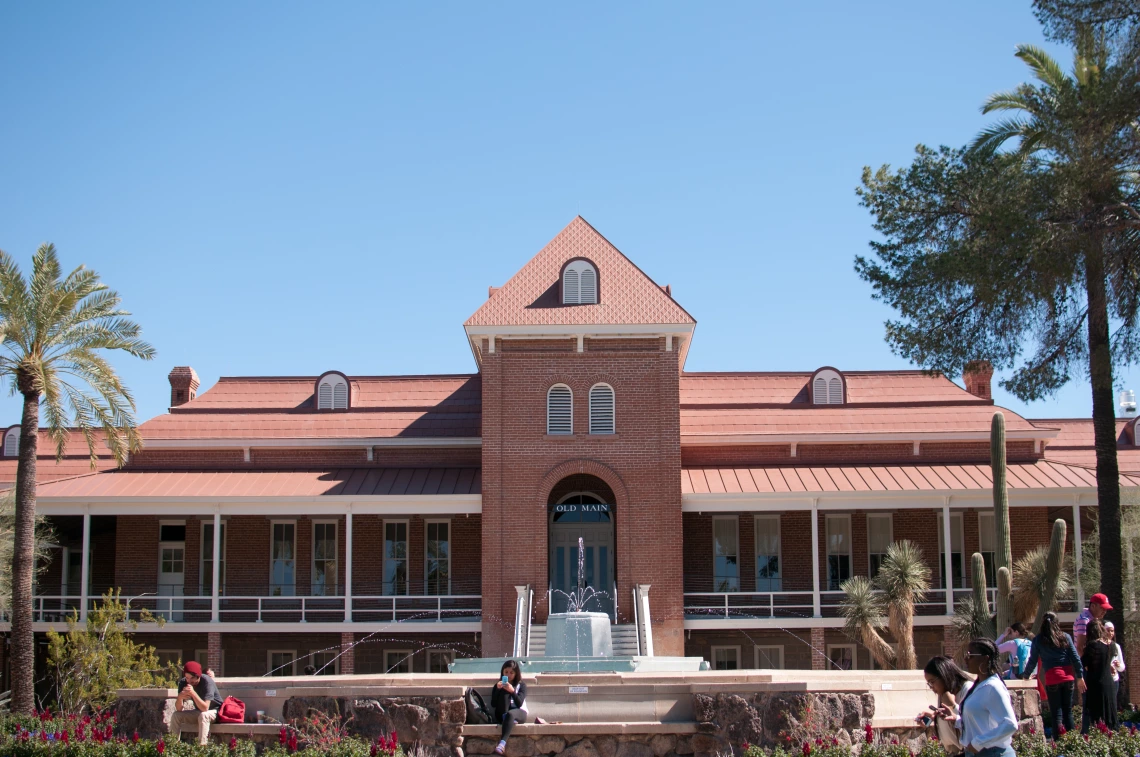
(1044, 67)
(994, 136)
(1015, 100)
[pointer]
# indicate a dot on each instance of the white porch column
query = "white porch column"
(815, 558)
(947, 557)
(1077, 559)
(215, 579)
(348, 566)
(84, 570)
(646, 623)
(522, 620)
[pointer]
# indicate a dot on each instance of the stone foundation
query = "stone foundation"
(580, 745)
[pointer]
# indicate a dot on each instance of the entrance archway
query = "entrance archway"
(581, 507)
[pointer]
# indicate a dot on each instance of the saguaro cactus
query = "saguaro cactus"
(1003, 556)
(1052, 572)
(978, 581)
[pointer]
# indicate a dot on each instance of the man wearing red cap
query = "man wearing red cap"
(1098, 607)
(200, 689)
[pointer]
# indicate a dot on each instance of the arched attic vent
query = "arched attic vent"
(828, 387)
(333, 392)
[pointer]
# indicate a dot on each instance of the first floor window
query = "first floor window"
(768, 554)
(202, 657)
(395, 557)
(439, 659)
(327, 662)
(206, 585)
(769, 657)
(878, 539)
(841, 657)
(838, 550)
(956, 556)
(397, 661)
(726, 569)
(324, 559)
(987, 545)
(283, 560)
(282, 662)
(169, 656)
(726, 658)
(437, 556)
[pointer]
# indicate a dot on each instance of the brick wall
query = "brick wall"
(641, 463)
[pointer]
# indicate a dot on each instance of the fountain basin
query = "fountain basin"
(579, 634)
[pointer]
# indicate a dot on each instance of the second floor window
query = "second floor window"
(559, 410)
(395, 557)
(324, 560)
(768, 554)
(726, 552)
(838, 550)
(283, 560)
(601, 409)
(878, 539)
(437, 554)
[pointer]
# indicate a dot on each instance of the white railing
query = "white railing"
(736, 604)
(441, 608)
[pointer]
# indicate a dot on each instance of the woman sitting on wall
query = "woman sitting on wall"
(508, 700)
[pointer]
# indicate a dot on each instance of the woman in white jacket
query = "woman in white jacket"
(985, 713)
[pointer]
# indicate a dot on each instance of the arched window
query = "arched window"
(559, 410)
(827, 388)
(12, 442)
(601, 409)
(579, 284)
(332, 392)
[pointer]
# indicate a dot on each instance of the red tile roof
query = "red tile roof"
(625, 294)
(886, 478)
(844, 419)
(1074, 444)
(341, 482)
(895, 387)
(281, 407)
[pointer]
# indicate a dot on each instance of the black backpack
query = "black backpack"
(477, 713)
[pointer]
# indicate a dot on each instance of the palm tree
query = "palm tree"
(863, 612)
(904, 578)
(54, 330)
(1080, 131)
(902, 582)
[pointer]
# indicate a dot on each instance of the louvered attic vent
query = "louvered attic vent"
(601, 409)
(12, 442)
(332, 392)
(579, 284)
(559, 410)
(827, 388)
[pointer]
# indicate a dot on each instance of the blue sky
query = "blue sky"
(287, 188)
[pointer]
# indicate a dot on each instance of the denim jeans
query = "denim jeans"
(997, 751)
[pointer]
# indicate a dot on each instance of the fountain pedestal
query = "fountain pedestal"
(579, 634)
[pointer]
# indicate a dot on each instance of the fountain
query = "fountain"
(578, 641)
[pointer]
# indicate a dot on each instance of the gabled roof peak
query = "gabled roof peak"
(626, 296)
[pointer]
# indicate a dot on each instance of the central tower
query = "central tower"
(580, 354)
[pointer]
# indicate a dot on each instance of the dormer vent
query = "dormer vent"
(333, 392)
(579, 283)
(828, 387)
(12, 442)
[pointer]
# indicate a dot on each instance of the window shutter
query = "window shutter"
(835, 392)
(12, 443)
(340, 396)
(819, 391)
(570, 287)
(559, 410)
(588, 286)
(324, 396)
(601, 409)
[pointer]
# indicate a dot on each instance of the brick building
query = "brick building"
(365, 524)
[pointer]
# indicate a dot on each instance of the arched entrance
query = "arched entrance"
(581, 507)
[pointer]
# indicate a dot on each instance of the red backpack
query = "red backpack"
(232, 711)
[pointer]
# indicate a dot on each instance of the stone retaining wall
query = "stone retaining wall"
(636, 745)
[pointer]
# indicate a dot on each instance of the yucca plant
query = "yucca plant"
(972, 619)
(55, 330)
(904, 578)
(863, 612)
(1030, 579)
(902, 582)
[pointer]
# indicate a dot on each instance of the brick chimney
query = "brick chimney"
(977, 377)
(183, 385)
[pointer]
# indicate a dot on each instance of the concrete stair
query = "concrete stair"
(624, 637)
